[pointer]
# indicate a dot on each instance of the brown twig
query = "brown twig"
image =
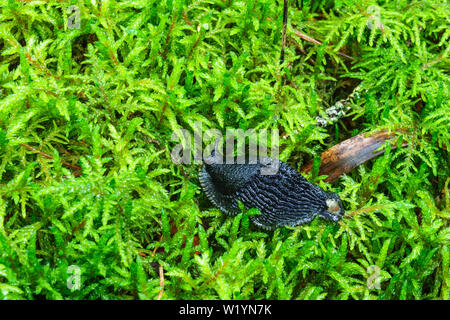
(214, 277)
(47, 156)
(300, 49)
(162, 113)
(161, 282)
(186, 19)
(283, 42)
(41, 67)
(432, 62)
(312, 40)
(365, 210)
(306, 37)
(156, 248)
(166, 47)
(194, 45)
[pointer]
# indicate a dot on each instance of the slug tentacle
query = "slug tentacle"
(284, 198)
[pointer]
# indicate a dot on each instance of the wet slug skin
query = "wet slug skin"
(284, 198)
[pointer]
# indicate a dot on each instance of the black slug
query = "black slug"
(284, 198)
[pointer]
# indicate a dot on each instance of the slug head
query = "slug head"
(333, 209)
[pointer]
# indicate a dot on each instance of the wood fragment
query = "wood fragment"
(345, 156)
(161, 282)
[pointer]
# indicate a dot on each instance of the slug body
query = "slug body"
(284, 198)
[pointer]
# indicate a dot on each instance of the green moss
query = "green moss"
(86, 118)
